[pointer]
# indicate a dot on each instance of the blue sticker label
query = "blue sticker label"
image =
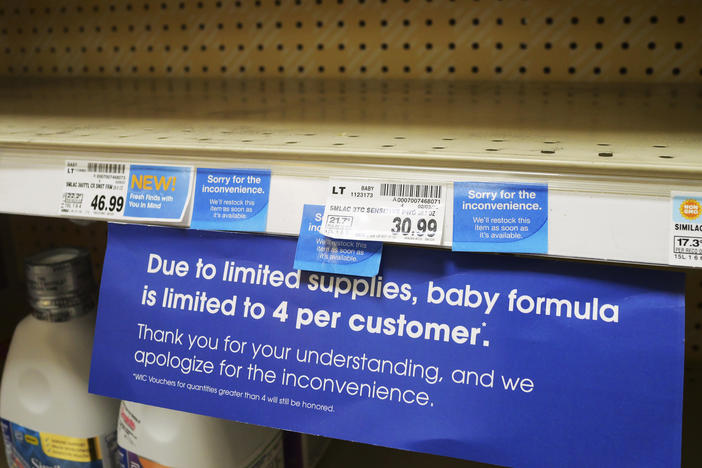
(317, 252)
(231, 199)
(500, 217)
(510, 361)
(157, 192)
(27, 448)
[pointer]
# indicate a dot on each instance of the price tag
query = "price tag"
(116, 190)
(686, 229)
(403, 212)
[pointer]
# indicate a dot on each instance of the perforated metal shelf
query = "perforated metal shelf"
(615, 130)
(611, 154)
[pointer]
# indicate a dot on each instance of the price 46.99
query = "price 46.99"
(112, 204)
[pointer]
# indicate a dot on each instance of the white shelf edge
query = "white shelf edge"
(629, 223)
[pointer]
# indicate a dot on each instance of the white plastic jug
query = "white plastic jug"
(152, 437)
(48, 417)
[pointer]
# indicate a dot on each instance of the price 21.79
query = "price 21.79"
(112, 204)
(423, 226)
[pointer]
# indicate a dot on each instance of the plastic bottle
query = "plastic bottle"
(152, 437)
(49, 420)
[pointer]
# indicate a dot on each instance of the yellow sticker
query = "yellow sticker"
(690, 209)
(70, 448)
(30, 439)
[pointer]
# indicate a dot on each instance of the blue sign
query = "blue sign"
(500, 217)
(317, 252)
(511, 361)
(231, 199)
(157, 192)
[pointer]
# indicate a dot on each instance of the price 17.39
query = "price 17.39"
(423, 226)
(103, 203)
(689, 242)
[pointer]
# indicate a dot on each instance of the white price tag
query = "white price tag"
(411, 213)
(94, 188)
(117, 190)
(686, 229)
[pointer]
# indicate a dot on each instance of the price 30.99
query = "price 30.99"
(423, 226)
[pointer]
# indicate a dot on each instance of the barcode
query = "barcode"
(410, 190)
(107, 168)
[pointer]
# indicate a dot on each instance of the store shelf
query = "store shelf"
(610, 154)
(601, 100)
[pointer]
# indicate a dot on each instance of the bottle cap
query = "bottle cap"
(60, 284)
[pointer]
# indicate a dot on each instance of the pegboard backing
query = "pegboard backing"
(537, 40)
(29, 235)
